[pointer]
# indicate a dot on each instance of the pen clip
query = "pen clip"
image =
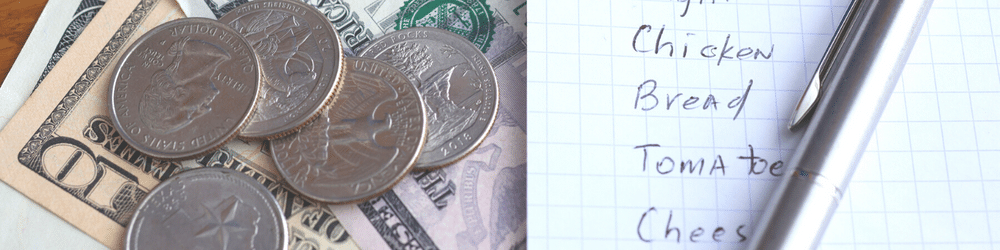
(812, 93)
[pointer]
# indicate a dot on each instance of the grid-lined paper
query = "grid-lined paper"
(930, 177)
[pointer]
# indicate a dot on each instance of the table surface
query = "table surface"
(16, 20)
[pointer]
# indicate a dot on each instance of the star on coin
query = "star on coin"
(222, 222)
(208, 209)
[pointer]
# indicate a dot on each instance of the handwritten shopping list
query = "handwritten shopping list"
(662, 125)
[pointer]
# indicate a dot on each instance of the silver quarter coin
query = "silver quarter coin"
(184, 88)
(208, 208)
(365, 143)
(301, 59)
(457, 84)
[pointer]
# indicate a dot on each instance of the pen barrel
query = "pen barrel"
(798, 218)
(861, 79)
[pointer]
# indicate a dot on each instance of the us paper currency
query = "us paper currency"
(478, 202)
(64, 154)
(56, 29)
(25, 224)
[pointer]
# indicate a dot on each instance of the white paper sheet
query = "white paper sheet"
(603, 173)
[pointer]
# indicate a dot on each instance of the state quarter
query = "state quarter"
(456, 81)
(365, 143)
(184, 88)
(301, 59)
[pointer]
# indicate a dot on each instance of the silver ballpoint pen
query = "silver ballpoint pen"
(846, 96)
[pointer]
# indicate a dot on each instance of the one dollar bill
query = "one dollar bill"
(64, 154)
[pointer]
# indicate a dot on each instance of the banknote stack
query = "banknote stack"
(341, 130)
(279, 124)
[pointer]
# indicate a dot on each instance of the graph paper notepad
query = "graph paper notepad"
(661, 125)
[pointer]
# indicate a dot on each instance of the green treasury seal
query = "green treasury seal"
(471, 19)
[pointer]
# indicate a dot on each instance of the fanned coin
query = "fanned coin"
(184, 88)
(457, 84)
(301, 58)
(208, 208)
(365, 143)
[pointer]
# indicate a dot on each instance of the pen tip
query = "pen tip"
(806, 103)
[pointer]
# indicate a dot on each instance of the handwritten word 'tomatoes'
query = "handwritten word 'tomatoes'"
(647, 93)
(669, 165)
(709, 51)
